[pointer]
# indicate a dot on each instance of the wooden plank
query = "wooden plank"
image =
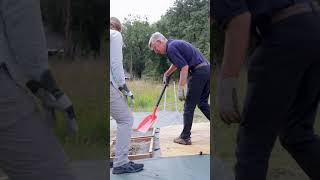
(150, 133)
(148, 153)
(200, 138)
(151, 147)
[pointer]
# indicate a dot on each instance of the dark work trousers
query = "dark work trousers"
(29, 149)
(197, 95)
(282, 98)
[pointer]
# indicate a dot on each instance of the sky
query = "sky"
(152, 9)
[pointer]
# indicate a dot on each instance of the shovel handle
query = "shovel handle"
(162, 92)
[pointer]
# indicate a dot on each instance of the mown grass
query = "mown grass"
(84, 81)
(281, 165)
(147, 92)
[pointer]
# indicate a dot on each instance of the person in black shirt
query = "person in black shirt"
(188, 60)
(283, 81)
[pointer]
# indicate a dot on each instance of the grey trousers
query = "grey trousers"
(28, 148)
(120, 111)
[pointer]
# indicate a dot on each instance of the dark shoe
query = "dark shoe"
(179, 140)
(130, 167)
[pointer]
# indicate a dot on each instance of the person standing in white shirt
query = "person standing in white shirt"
(119, 109)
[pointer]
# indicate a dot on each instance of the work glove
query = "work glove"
(49, 111)
(52, 99)
(166, 79)
(181, 94)
(126, 92)
(228, 101)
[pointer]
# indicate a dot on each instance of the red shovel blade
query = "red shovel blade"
(147, 122)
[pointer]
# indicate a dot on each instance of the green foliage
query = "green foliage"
(146, 94)
(136, 52)
(187, 20)
(52, 14)
(87, 100)
(87, 22)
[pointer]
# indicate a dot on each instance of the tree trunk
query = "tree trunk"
(67, 30)
(131, 63)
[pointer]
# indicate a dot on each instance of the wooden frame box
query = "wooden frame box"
(145, 151)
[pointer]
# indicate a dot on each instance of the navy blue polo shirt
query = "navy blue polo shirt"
(181, 53)
(261, 10)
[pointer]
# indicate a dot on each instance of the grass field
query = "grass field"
(146, 95)
(281, 165)
(84, 81)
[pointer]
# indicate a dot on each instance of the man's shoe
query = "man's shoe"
(179, 140)
(130, 167)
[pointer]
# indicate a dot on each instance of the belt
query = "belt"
(287, 12)
(198, 66)
(294, 10)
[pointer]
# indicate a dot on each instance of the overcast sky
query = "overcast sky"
(152, 9)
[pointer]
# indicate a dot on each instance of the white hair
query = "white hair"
(156, 37)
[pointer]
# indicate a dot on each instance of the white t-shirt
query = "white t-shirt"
(116, 59)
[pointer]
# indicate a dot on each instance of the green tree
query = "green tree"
(136, 36)
(188, 20)
(82, 22)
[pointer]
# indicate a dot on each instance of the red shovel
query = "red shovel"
(148, 121)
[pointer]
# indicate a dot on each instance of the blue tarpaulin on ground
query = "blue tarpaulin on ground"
(90, 170)
(195, 167)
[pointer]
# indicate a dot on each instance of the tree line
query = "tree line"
(186, 19)
(82, 23)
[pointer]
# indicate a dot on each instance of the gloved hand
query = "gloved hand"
(166, 79)
(62, 103)
(126, 92)
(53, 99)
(228, 101)
(181, 94)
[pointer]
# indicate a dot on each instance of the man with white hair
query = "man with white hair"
(119, 109)
(187, 59)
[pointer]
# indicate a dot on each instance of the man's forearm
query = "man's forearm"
(236, 44)
(171, 70)
(183, 75)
